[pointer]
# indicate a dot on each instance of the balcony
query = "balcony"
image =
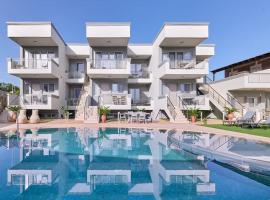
(37, 68)
(115, 101)
(76, 77)
(108, 68)
(146, 103)
(190, 101)
(72, 103)
(244, 81)
(140, 77)
(41, 102)
(182, 69)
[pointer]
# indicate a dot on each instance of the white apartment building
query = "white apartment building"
(165, 77)
(246, 85)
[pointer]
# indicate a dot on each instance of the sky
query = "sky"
(239, 28)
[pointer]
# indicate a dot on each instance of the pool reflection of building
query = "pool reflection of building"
(108, 163)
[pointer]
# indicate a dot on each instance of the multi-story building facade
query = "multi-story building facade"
(162, 77)
(247, 84)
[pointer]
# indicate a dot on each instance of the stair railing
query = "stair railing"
(171, 107)
(236, 104)
(183, 106)
(219, 98)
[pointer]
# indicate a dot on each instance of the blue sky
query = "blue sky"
(239, 28)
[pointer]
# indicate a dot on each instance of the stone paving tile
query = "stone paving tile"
(155, 125)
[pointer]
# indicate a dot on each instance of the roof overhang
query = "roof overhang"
(108, 34)
(33, 33)
(183, 34)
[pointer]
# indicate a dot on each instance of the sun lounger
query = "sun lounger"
(248, 118)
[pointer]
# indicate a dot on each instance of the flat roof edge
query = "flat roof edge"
(77, 44)
(206, 45)
(186, 23)
(108, 23)
(28, 23)
(140, 44)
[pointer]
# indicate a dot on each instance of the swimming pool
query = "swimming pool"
(120, 163)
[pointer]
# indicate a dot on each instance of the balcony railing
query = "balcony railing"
(32, 63)
(108, 64)
(259, 78)
(32, 99)
(184, 65)
(141, 74)
(113, 99)
(146, 101)
(76, 75)
(194, 101)
(72, 101)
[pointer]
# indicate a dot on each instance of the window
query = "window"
(136, 69)
(135, 95)
(117, 88)
(48, 87)
(187, 56)
(27, 88)
(251, 101)
(186, 87)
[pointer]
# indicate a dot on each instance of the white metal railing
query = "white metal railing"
(184, 64)
(22, 63)
(258, 78)
(113, 99)
(140, 74)
(72, 101)
(145, 101)
(194, 101)
(108, 63)
(75, 75)
(32, 99)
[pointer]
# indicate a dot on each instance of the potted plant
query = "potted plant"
(193, 113)
(65, 112)
(103, 111)
(15, 110)
(230, 112)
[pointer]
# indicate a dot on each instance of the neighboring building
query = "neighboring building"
(248, 83)
(163, 77)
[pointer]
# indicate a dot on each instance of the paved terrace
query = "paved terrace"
(60, 123)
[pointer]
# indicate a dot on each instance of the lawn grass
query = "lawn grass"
(252, 131)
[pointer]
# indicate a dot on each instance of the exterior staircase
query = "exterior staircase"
(218, 100)
(172, 110)
(80, 108)
(84, 110)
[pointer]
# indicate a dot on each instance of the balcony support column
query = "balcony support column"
(34, 117)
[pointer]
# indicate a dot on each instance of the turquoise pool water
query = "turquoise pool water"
(119, 163)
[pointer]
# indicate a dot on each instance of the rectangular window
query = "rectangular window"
(48, 87)
(251, 101)
(27, 88)
(135, 95)
(187, 55)
(186, 87)
(117, 88)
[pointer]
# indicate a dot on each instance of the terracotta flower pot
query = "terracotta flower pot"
(103, 118)
(12, 116)
(230, 116)
(193, 119)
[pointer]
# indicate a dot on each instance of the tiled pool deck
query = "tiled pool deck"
(156, 125)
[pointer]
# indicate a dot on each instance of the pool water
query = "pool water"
(120, 163)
